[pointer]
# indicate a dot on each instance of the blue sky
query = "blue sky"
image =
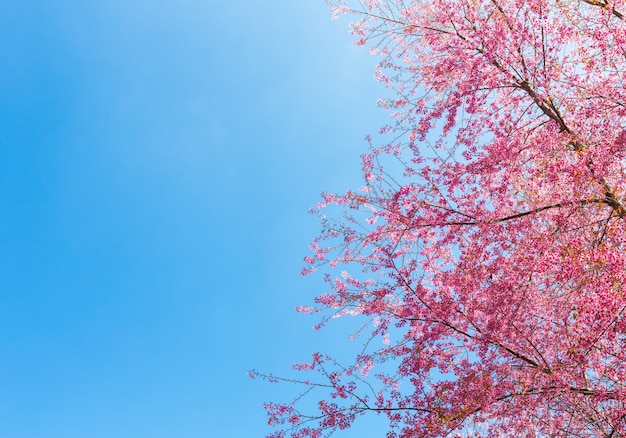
(157, 161)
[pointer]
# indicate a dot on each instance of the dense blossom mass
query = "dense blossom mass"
(487, 246)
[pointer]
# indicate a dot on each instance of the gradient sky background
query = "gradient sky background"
(157, 161)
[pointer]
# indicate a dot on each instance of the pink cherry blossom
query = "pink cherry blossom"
(484, 260)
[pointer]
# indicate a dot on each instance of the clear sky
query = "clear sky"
(157, 161)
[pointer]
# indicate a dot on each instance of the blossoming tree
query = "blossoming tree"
(492, 259)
